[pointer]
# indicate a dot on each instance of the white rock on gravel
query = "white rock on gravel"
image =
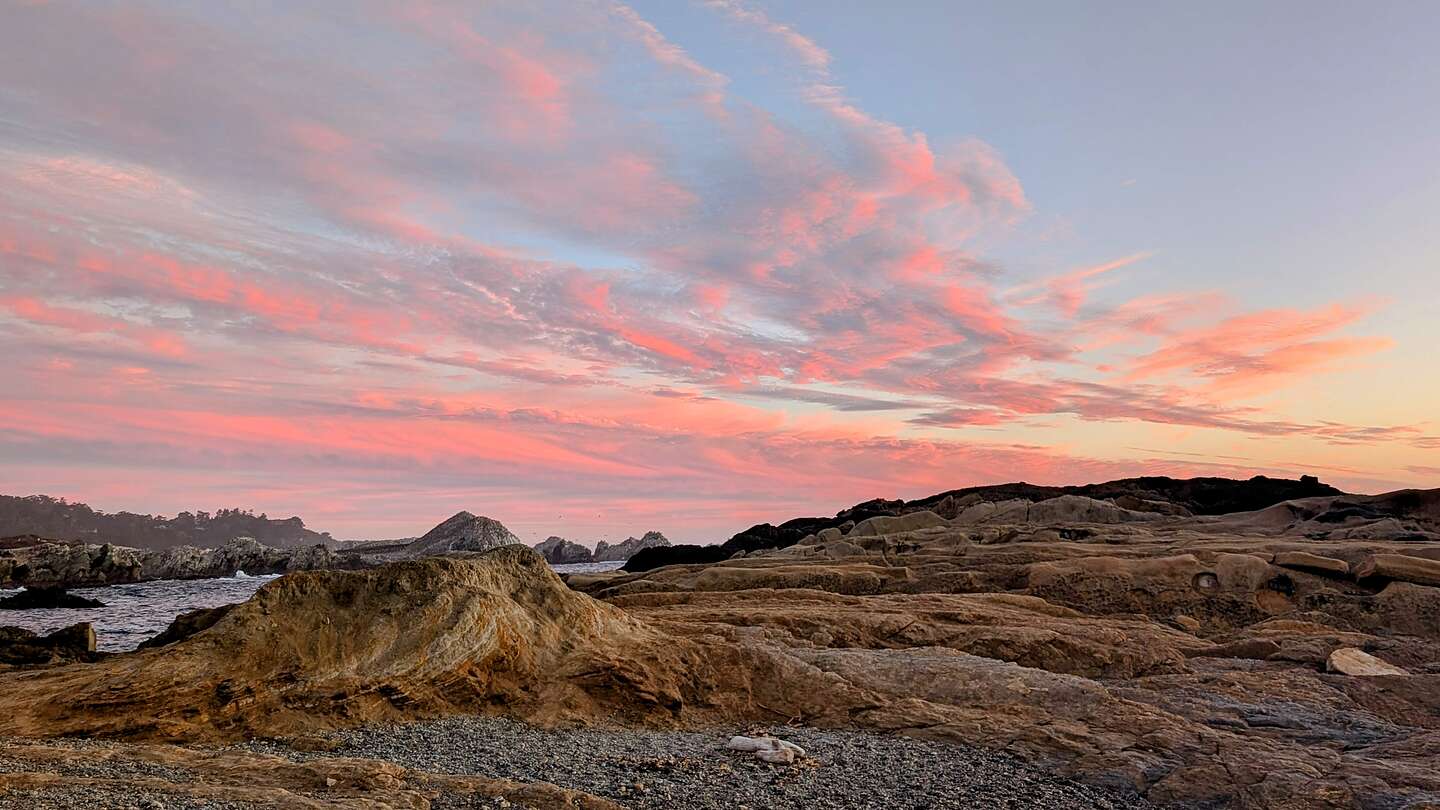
(767, 749)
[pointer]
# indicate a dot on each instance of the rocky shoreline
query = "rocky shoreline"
(1284, 657)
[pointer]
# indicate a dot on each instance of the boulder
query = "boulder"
(1400, 567)
(559, 551)
(47, 598)
(1350, 661)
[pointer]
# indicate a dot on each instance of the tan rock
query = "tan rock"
(1311, 562)
(1350, 661)
(886, 524)
(1400, 567)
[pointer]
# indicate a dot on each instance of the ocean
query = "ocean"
(136, 612)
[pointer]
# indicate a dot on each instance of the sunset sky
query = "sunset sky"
(593, 269)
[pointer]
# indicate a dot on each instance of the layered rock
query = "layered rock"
(629, 547)
(329, 648)
(559, 551)
(1201, 661)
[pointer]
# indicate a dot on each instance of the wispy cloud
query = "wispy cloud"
(547, 254)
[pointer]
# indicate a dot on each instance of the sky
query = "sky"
(594, 269)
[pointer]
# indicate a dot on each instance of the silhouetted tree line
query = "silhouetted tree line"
(59, 519)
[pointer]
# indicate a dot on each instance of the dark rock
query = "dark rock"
(39, 598)
(22, 648)
(559, 551)
(660, 556)
(186, 625)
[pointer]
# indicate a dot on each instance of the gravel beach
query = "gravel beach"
(639, 769)
(694, 771)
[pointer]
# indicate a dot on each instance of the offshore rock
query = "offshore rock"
(625, 549)
(559, 551)
(47, 598)
(463, 532)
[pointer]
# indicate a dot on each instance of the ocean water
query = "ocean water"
(134, 613)
(589, 568)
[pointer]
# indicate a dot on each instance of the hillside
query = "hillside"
(61, 520)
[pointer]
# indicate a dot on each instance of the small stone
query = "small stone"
(1350, 661)
(1189, 624)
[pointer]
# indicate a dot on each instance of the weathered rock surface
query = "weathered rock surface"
(559, 551)
(47, 598)
(325, 649)
(1175, 655)
(629, 547)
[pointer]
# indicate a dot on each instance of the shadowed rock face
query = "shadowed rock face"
(559, 551)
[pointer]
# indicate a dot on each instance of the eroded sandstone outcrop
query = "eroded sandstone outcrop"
(1189, 659)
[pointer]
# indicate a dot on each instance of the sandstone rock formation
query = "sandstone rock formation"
(1189, 658)
(326, 649)
(559, 551)
(629, 547)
